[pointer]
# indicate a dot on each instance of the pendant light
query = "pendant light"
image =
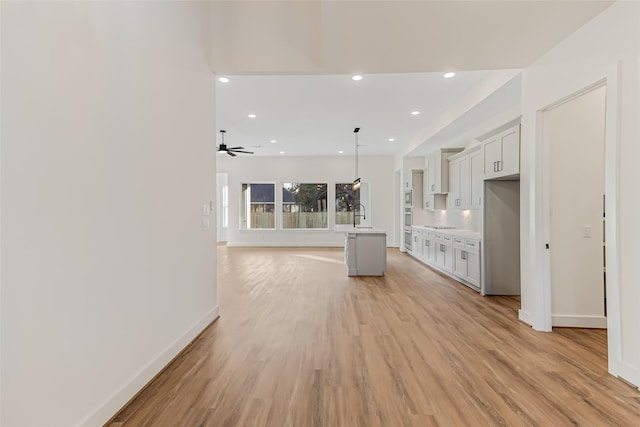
(356, 181)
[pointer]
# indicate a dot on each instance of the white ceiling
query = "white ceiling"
(315, 111)
(316, 115)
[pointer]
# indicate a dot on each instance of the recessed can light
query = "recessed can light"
(340, 152)
(356, 77)
(282, 152)
(223, 79)
(273, 141)
(449, 75)
(391, 139)
(252, 116)
(415, 113)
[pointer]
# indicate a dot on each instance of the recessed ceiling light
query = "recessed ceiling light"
(449, 75)
(340, 152)
(356, 77)
(223, 79)
(415, 113)
(282, 152)
(252, 116)
(273, 141)
(391, 139)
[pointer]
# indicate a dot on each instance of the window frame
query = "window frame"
(242, 226)
(326, 211)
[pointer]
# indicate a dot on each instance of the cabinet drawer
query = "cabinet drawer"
(472, 244)
(438, 236)
(458, 240)
(446, 237)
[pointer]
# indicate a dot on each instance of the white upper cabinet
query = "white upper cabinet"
(502, 154)
(453, 198)
(476, 171)
(438, 170)
(465, 180)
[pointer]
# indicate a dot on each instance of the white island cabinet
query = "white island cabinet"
(365, 252)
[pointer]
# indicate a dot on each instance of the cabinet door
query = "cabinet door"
(415, 239)
(453, 199)
(473, 268)
(492, 149)
(433, 250)
(431, 170)
(440, 254)
(464, 194)
(475, 172)
(510, 161)
(448, 257)
(407, 180)
(429, 202)
(459, 263)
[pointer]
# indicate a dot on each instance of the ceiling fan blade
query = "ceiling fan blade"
(241, 151)
(236, 148)
(231, 154)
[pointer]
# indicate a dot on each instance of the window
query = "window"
(258, 206)
(346, 200)
(304, 205)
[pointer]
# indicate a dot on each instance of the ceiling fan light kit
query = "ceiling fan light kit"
(222, 148)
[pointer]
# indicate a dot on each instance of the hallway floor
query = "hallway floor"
(301, 344)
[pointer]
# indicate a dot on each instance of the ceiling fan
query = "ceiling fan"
(230, 150)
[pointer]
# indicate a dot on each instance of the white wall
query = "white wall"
(607, 48)
(107, 158)
(575, 135)
(376, 171)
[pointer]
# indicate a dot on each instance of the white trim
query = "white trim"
(571, 321)
(525, 317)
(120, 398)
(600, 74)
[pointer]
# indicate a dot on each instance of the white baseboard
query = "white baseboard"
(525, 317)
(120, 398)
(567, 321)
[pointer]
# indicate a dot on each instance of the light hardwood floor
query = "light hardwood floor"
(301, 344)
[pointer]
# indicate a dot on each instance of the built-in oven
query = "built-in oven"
(407, 239)
(408, 198)
(408, 217)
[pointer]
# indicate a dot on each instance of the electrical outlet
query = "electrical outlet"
(586, 231)
(206, 224)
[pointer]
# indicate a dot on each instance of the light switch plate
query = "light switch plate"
(206, 224)
(205, 209)
(586, 231)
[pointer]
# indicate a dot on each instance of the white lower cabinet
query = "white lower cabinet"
(466, 261)
(444, 254)
(458, 256)
(416, 242)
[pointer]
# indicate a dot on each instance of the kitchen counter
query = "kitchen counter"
(455, 252)
(365, 251)
(365, 230)
(467, 234)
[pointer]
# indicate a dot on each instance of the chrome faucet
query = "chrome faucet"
(355, 214)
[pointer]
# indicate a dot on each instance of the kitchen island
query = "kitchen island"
(365, 251)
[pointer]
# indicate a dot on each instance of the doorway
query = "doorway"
(575, 132)
(222, 206)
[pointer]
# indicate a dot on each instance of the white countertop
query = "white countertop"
(468, 234)
(358, 229)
